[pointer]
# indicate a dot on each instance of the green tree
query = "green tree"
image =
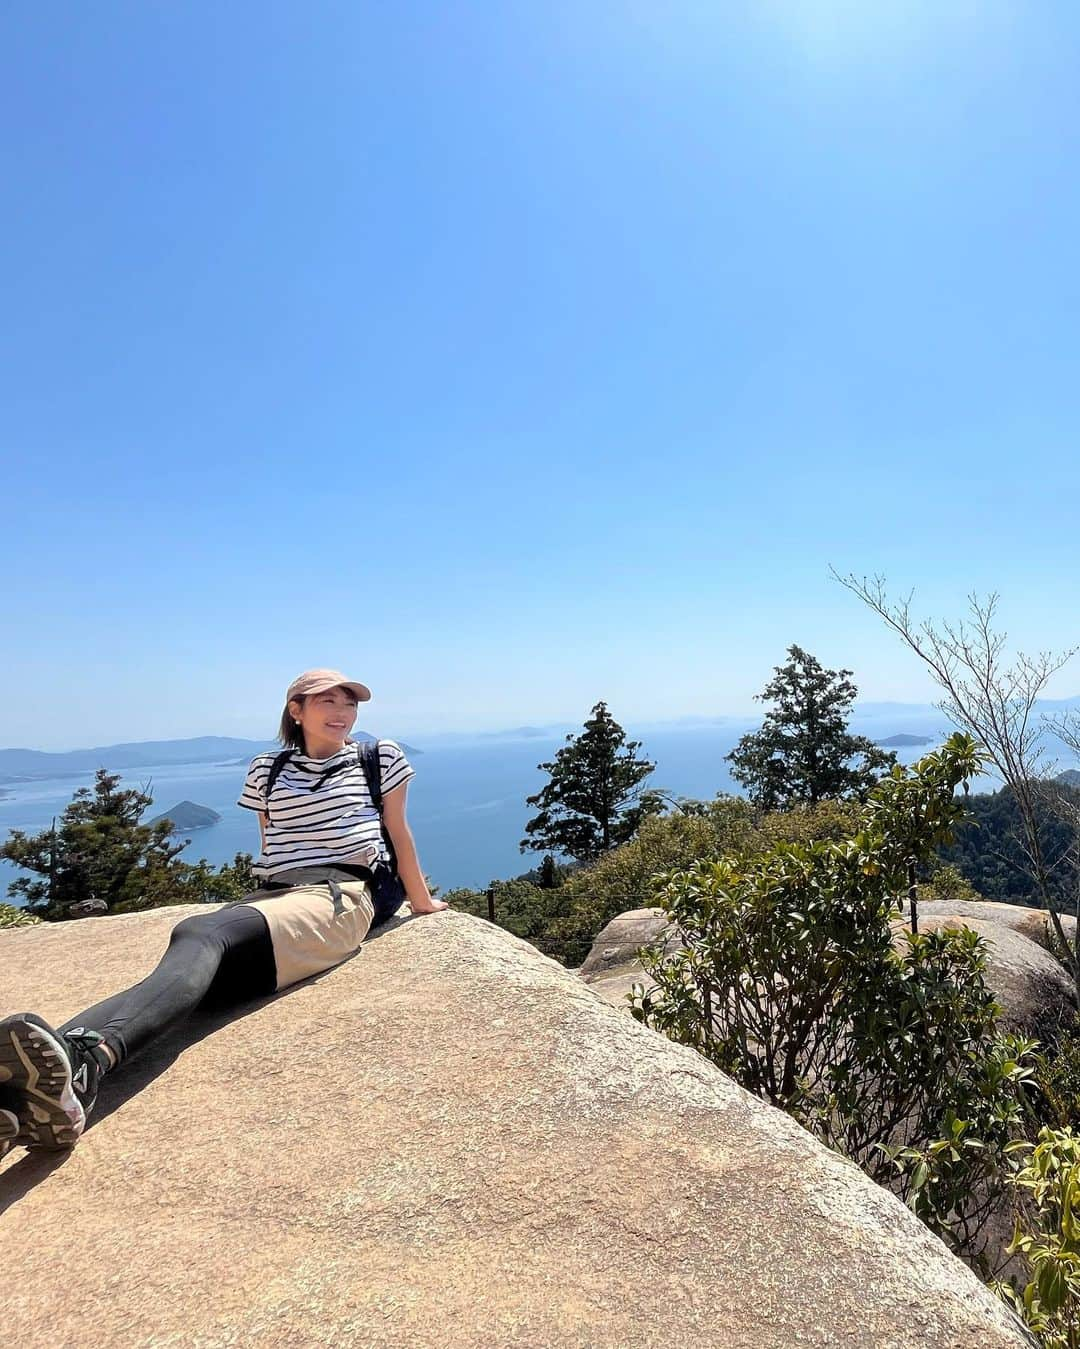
(100, 850)
(592, 800)
(803, 752)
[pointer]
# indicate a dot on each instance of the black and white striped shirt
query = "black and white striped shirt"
(312, 825)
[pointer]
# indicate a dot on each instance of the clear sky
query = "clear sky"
(512, 356)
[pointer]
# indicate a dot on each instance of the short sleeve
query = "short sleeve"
(253, 797)
(394, 769)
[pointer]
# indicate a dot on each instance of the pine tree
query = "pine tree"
(591, 802)
(803, 752)
(102, 851)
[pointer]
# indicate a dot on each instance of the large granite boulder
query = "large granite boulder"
(1035, 992)
(1033, 989)
(449, 1140)
(612, 966)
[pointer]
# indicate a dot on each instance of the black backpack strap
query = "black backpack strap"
(280, 760)
(368, 754)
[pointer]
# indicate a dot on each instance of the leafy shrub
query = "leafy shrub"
(1048, 1238)
(1057, 1075)
(788, 979)
(10, 916)
(626, 878)
(948, 883)
(520, 907)
(102, 851)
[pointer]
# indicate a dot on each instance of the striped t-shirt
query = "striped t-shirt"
(313, 825)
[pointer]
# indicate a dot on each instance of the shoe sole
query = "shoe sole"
(34, 1064)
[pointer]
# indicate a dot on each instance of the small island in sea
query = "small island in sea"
(903, 740)
(187, 815)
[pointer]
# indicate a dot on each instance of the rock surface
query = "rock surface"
(1034, 991)
(612, 966)
(448, 1141)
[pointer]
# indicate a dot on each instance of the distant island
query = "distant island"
(903, 740)
(34, 765)
(187, 815)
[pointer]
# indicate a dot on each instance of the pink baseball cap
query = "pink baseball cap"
(318, 681)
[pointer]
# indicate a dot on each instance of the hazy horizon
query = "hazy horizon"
(864, 711)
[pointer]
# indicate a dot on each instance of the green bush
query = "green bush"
(948, 883)
(10, 916)
(564, 915)
(1057, 1075)
(627, 877)
(1048, 1238)
(524, 909)
(101, 851)
(788, 980)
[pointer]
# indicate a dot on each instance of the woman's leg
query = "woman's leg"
(227, 952)
(52, 1076)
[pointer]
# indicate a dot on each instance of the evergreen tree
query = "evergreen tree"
(592, 801)
(803, 752)
(100, 850)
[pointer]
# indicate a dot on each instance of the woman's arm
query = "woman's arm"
(408, 864)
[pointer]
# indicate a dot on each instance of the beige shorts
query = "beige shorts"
(309, 932)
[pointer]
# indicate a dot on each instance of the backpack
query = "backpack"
(387, 891)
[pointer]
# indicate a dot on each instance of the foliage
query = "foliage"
(100, 849)
(549, 875)
(989, 848)
(522, 908)
(195, 883)
(949, 884)
(1057, 1075)
(1049, 1241)
(10, 916)
(789, 980)
(998, 705)
(626, 878)
(803, 751)
(805, 823)
(592, 800)
(564, 919)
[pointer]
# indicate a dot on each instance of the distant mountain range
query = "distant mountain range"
(35, 765)
(892, 725)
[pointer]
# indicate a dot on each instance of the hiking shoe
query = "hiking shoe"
(50, 1079)
(9, 1120)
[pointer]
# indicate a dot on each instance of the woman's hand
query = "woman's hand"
(427, 905)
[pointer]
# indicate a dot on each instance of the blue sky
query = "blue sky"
(516, 356)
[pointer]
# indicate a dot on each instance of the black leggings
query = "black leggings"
(212, 959)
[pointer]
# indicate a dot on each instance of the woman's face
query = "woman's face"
(326, 717)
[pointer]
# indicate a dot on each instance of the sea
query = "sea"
(466, 805)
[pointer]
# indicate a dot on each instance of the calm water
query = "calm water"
(466, 804)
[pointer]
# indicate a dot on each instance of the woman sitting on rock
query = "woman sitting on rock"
(332, 821)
